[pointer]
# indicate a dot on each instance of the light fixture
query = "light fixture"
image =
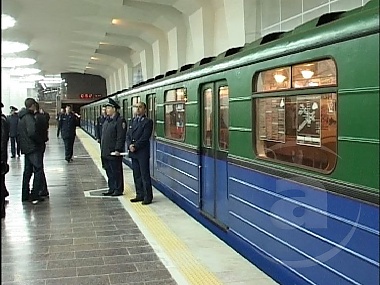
(7, 21)
(94, 58)
(16, 61)
(12, 47)
(31, 78)
(115, 21)
(279, 78)
(24, 71)
(307, 74)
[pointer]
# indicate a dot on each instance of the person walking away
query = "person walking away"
(113, 141)
(58, 118)
(4, 160)
(42, 126)
(139, 151)
(31, 144)
(68, 124)
(13, 124)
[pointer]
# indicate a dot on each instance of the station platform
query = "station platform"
(77, 236)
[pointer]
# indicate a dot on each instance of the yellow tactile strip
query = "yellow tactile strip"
(177, 251)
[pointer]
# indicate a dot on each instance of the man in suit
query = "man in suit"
(138, 143)
(111, 145)
(67, 125)
(13, 125)
(42, 126)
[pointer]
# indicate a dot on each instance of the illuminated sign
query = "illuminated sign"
(89, 96)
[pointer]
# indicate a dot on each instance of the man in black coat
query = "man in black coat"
(111, 145)
(67, 125)
(138, 143)
(13, 125)
(58, 118)
(32, 145)
(4, 160)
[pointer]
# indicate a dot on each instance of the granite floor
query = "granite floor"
(70, 238)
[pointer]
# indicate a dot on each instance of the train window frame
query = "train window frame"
(288, 141)
(174, 103)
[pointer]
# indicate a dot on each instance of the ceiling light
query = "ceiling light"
(115, 21)
(94, 58)
(7, 21)
(32, 78)
(279, 78)
(16, 61)
(24, 71)
(12, 47)
(307, 74)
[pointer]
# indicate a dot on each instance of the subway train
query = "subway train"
(274, 147)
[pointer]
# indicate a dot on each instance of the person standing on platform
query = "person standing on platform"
(68, 124)
(99, 126)
(42, 126)
(13, 123)
(138, 143)
(111, 145)
(4, 160)
(31, 144)
(58, 118)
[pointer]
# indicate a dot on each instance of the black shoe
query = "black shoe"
(136, 200)
(37, 200)
(13, 156)
(146, 202)
(117, 194)
(107, 194)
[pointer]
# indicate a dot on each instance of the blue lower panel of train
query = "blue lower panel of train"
(295, 233)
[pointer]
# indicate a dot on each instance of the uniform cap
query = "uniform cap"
(13, 108)
(112, 103)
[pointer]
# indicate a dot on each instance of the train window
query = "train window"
(223, 117)
(273, 80)
(300, 129)
(296, 128)
(314, 74)
(133, 109)
(175, 113)
(207, 115)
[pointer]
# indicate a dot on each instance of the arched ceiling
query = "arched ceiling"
(79, 36)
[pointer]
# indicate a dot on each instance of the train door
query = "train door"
(214, 150)
(151, 113)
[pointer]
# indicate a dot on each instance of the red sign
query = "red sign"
(89, 96)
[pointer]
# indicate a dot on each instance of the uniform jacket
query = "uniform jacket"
(68, 124)
(113, 136)
(30, 139)
(99, 126)
(4, 139)
(139, 135)
(13, 124)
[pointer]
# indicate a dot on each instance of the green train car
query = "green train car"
(274, 147)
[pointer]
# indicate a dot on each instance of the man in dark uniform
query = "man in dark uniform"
(58, 118)
(32, 145)
(4, 160)
(139, 151)
(99, 124)
(13, 123)
(68, 124)
(111, 145)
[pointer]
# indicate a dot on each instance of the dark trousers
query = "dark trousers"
(33, 165)
(44, 191)
(3, 195)
(141, 176)
(15, 145)
(69, 146)
(114, 171)
(58, 129)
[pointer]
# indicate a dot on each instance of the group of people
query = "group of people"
(28, 130)
(112, 134)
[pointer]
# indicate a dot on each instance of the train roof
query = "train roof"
(316, 32)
